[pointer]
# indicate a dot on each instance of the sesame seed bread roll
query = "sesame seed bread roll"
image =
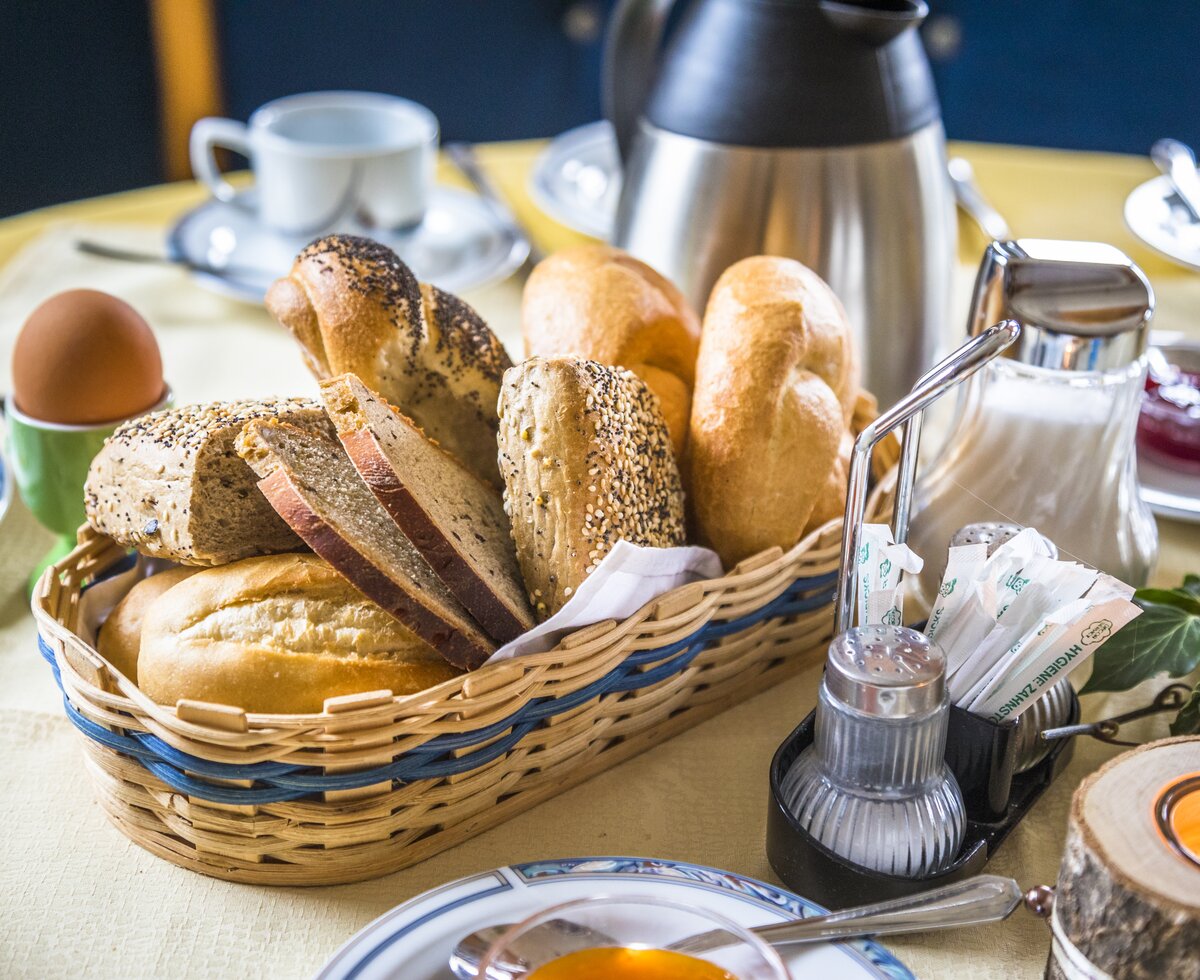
(356, 308)
(172, 485)
(587, 462)
(776, 386)
(279, 635)
(598, 302)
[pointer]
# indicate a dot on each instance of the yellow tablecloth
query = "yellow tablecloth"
(76, 899)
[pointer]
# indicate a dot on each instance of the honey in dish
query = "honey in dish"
(621, 963)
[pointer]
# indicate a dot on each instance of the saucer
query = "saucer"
(460, 245)
(414, 940)
(577, 179)
(1155, 213)
(1169, 493)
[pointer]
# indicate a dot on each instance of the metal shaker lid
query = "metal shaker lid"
(993, 534)
(886, 671)
(1082, 306)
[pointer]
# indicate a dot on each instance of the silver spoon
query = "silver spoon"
(984, 898)
(103, 251)
(970, 198)
(1178, 162)
(465, 158)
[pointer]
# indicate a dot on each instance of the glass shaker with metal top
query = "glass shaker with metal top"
(1045, 436)
(874, 787)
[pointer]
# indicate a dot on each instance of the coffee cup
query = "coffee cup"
(327, 158)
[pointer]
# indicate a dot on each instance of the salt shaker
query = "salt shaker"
(874, 788)
(1045, 436)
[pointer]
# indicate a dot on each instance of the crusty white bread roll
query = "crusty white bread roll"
(597, 302)
(587, 462)
(776, 385)
(278, 634)
(120, 635)
(355, 307)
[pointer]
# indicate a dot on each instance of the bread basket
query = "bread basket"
(375, 783)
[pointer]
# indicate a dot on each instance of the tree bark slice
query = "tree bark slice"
(1126, 899)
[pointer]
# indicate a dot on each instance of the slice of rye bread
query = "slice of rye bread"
(455, 519)
(309, 480)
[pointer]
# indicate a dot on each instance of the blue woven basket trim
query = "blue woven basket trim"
(279, 782)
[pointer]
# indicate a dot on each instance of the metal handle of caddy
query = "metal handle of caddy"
(908, 412)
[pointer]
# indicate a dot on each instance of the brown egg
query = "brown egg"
(85, 357)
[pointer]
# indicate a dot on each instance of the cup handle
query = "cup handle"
(207, 135)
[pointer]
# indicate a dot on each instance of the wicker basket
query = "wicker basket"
(375, 783)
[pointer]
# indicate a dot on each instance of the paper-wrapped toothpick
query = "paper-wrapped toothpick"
(881, 564)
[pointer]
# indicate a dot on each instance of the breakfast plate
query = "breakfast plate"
(461, 244)
(1156, 214)
(577, 179)
(414, 940)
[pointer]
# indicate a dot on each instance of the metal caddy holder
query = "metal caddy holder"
(984, 757)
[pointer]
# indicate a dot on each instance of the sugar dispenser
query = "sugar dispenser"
(1044, 437)
(874, 787)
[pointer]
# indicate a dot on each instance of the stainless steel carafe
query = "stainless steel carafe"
(805, 128)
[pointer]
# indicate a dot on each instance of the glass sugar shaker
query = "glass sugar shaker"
(874, 787)
(1044, 436)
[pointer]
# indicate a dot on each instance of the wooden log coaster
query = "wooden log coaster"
(1127, 904)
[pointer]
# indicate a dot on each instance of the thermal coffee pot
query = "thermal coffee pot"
(803, 128)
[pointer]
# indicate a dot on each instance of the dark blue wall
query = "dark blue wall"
(78, 113)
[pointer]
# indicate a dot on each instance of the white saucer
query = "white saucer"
(1169, 493)
(460, 245)
(414, 940)
(1154, 212)
(577, 179)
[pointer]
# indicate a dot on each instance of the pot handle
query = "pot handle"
(631, 45)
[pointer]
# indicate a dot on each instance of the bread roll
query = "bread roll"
(278, 634)
(171, 485)
(776, 385)
(121, 634)
(587, 462)
(355, 307)
(597, 302)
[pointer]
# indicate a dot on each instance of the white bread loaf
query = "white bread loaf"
(356, 308)
(587, 462)
(597, 302)
(776, 386)
(278, 634)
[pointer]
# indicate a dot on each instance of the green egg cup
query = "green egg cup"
(50, 464)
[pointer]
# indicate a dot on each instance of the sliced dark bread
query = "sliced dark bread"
(309, 480)
(455, 520)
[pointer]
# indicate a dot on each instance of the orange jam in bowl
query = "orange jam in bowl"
(623, 963)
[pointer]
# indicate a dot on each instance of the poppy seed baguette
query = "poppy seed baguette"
(311, 483)
(453, 518)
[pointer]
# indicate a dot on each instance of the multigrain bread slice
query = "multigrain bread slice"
(455, 520)
(172, 485)
(587, 462)
(311, 483)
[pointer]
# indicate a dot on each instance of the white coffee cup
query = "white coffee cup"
(327, 158)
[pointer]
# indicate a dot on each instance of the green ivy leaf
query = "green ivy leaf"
(1180, 598)
(1187, 722)
(1165, 638)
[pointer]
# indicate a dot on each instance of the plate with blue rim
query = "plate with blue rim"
(414, 939)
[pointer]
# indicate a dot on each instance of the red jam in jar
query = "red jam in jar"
(1169, 425)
